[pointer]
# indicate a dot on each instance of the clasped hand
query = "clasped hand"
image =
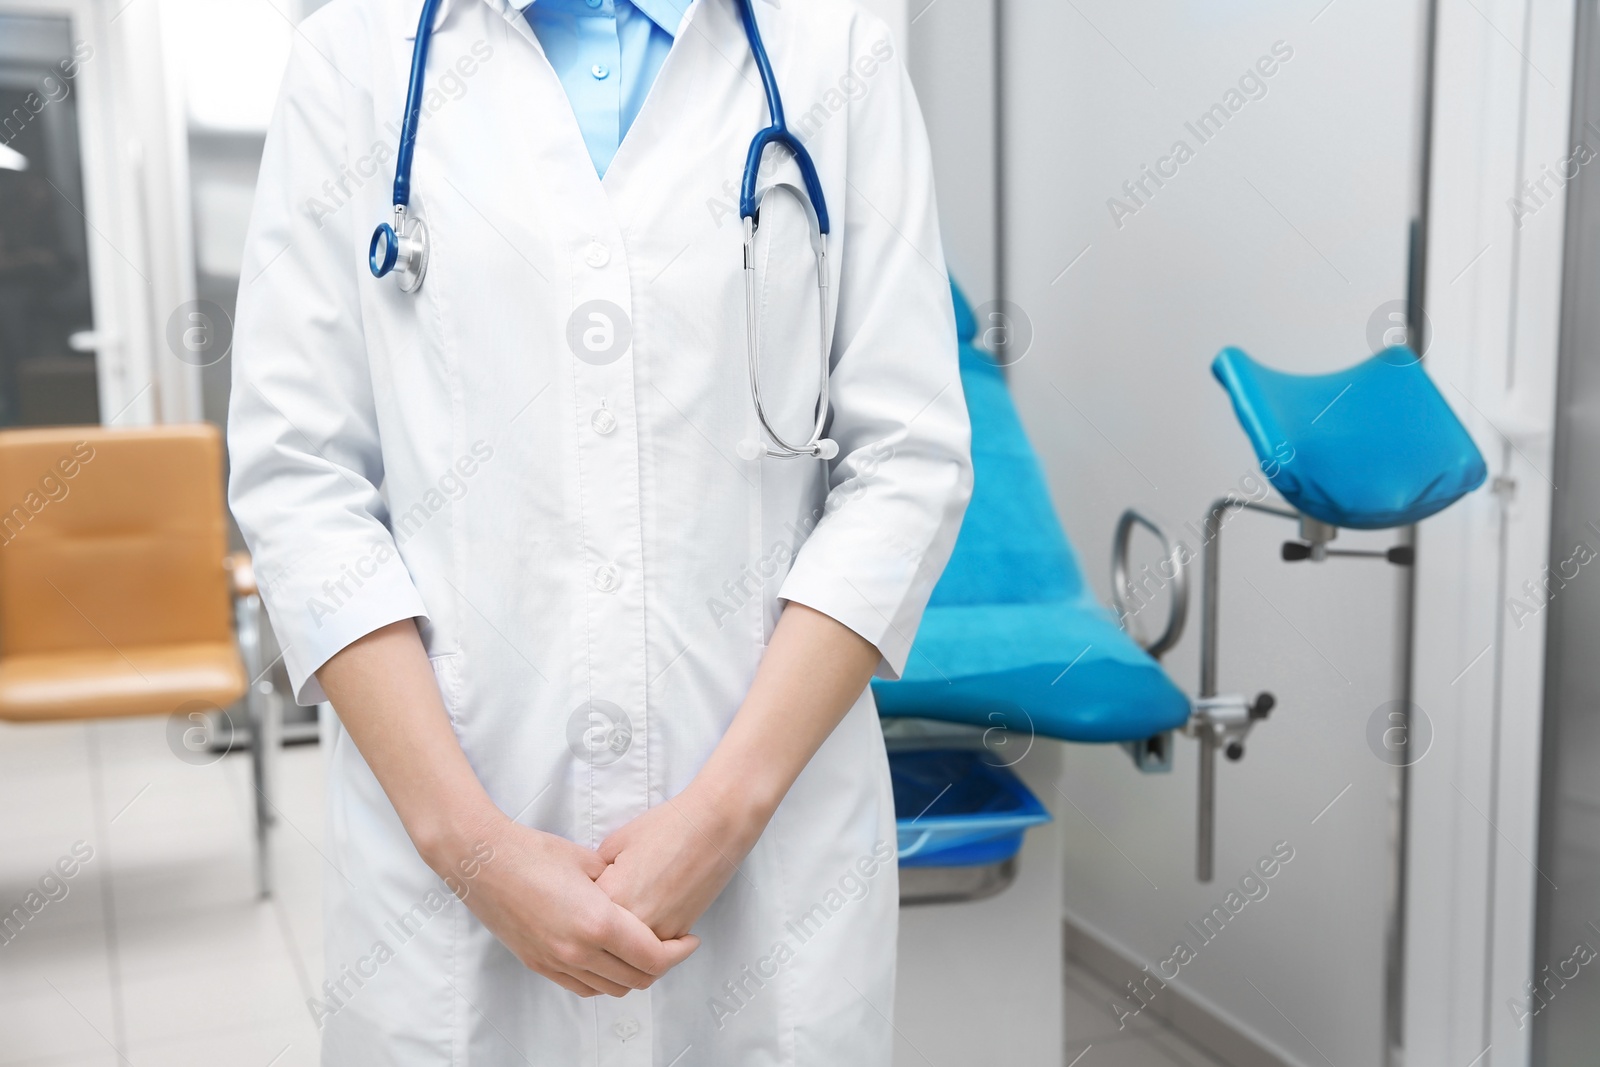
(616, 919)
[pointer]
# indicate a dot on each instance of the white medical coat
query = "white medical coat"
(559, 498)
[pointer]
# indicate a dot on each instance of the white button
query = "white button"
(600, 70)
(606, 579)
(603, 421)
(625, 1028)
(598, 255)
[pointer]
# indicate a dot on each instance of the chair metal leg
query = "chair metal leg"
(262, 713)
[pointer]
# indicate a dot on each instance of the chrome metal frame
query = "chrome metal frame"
(1152, 755)
(412, 247)
(1121, 587)
(1223, 721)
(263, 715)
(1217, 721)
(955, 885)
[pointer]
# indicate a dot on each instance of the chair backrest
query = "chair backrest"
(1011, 548)
(111, 539)
(1014, 637)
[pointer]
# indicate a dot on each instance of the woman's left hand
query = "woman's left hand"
(669, 864)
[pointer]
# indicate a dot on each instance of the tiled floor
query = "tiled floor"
(159, 949)
(1094, 1039)
(156, 952)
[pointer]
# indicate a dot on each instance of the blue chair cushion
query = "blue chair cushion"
(966, 321)
(1369, 447)
(1013, 636)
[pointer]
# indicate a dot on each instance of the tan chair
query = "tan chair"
(117, 593)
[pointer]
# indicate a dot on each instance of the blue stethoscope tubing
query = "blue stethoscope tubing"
(750, 212)
(400, 246)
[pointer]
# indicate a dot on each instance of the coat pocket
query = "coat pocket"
(447, 673)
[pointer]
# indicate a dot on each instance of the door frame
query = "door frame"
(1503, 98)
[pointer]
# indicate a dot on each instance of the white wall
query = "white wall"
(1282, 235)
(951, 54)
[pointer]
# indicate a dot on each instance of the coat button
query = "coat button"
(600, 70)
(603, 421)
(598, 255)
(606, 578)
(625, 1028)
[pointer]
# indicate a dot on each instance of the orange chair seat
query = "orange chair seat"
(102, 684)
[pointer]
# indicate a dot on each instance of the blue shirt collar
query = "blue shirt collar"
(667, 14)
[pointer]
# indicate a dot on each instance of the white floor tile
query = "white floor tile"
(1182, 1052)
(80, 912)
(1090, 1010)
(202, 1000)
(105, 1058)
(41, 751)
(146, 890)
(53, 1020)
(206, 938)
(1090, 1020)
(284, 1045)
(37, 832)
(1118, 1052)
(68, 955)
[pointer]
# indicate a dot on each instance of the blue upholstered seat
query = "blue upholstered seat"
(1369, 447)
(1013, 635)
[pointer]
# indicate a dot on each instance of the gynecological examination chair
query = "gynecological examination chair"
(1014, 641)
(1014, 648)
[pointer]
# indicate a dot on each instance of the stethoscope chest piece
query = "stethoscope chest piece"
(400, 248)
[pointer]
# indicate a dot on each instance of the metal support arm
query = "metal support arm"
(1219, 721)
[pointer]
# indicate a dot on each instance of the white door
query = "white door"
(84, 306)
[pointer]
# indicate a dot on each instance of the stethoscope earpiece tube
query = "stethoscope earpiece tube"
(817, 446)
(413, 115)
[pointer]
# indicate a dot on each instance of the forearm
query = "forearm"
(387, 698)
(812, 673)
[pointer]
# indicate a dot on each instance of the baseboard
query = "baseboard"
(1173, 1007)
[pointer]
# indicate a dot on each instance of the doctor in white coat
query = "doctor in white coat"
(608, 787)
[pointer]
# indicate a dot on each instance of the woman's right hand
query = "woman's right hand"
(536, 892)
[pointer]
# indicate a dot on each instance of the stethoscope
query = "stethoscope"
(400, 246)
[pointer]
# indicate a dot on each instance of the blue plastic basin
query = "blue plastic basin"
(956, 808)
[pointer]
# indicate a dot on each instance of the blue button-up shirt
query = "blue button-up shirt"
(607, 54)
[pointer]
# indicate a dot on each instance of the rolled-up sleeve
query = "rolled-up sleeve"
(306, 465)
(901, 481)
